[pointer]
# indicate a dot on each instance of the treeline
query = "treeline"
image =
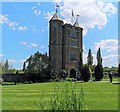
(5, 68)
(39, 66)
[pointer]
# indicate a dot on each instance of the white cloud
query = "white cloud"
(13, 25)
(34, 29)
(3, 19)
(37, 12)
(22, 28)
(43, 30)
(16, 61)
(36, 9)
(48, 15)
(109, 7)
(23, 43)
(39, 3)
(1, 55)
(42, 47)
(29, 45)
(33, 45)
(110, 60)
(92, 13)
(108, 44)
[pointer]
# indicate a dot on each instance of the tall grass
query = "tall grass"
(66, 97)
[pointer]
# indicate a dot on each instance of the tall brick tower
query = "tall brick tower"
(65, 46)
(55, 42)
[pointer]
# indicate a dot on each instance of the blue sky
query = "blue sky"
(25, 28)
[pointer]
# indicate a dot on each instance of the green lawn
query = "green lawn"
(98, 95)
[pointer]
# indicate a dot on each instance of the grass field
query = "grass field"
(98, 95)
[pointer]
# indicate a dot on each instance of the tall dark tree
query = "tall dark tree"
(99, 67)
(90, 58)
(6, 67)
(99, 58)
(24, 66)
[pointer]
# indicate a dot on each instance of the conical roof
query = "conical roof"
(55, 16)
(76, 24)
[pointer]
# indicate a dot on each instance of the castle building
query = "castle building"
(65, 46)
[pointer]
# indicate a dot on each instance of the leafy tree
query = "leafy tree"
(12, 70)
(99, 67)
(1, 68)
(90, 58)
(106, 69)
(37, 62)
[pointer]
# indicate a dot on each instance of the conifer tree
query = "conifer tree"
(99, 67)
(24, 66)
(99, 58)
(6, 66)
(90, 58)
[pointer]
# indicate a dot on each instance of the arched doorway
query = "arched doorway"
(73, 73)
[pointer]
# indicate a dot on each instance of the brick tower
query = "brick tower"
(65, 46)
(55, 43)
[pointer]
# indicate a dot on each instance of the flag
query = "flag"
(72, 13)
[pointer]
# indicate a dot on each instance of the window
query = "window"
(72, 57)
(73, 34)
(73, 43)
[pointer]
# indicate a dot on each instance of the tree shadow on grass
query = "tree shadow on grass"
(116, 83)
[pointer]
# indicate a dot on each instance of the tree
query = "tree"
(99, 58)
(85, 73)
(6, 67)
(98, 73)
(37, 62)
(90, 58)
(99, 67)
(24, 66)
(1, 68)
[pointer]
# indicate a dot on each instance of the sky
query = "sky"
(25, 28)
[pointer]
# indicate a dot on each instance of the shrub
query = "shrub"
(65, 97)
(63, 74)
(1, 80)
(85, 73)
(98, 73)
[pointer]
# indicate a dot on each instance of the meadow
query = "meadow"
(97, 95)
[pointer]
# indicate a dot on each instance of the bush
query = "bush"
(98, 73)
(85, 73)
(65, 98)
(63, 74)
(1, 80)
